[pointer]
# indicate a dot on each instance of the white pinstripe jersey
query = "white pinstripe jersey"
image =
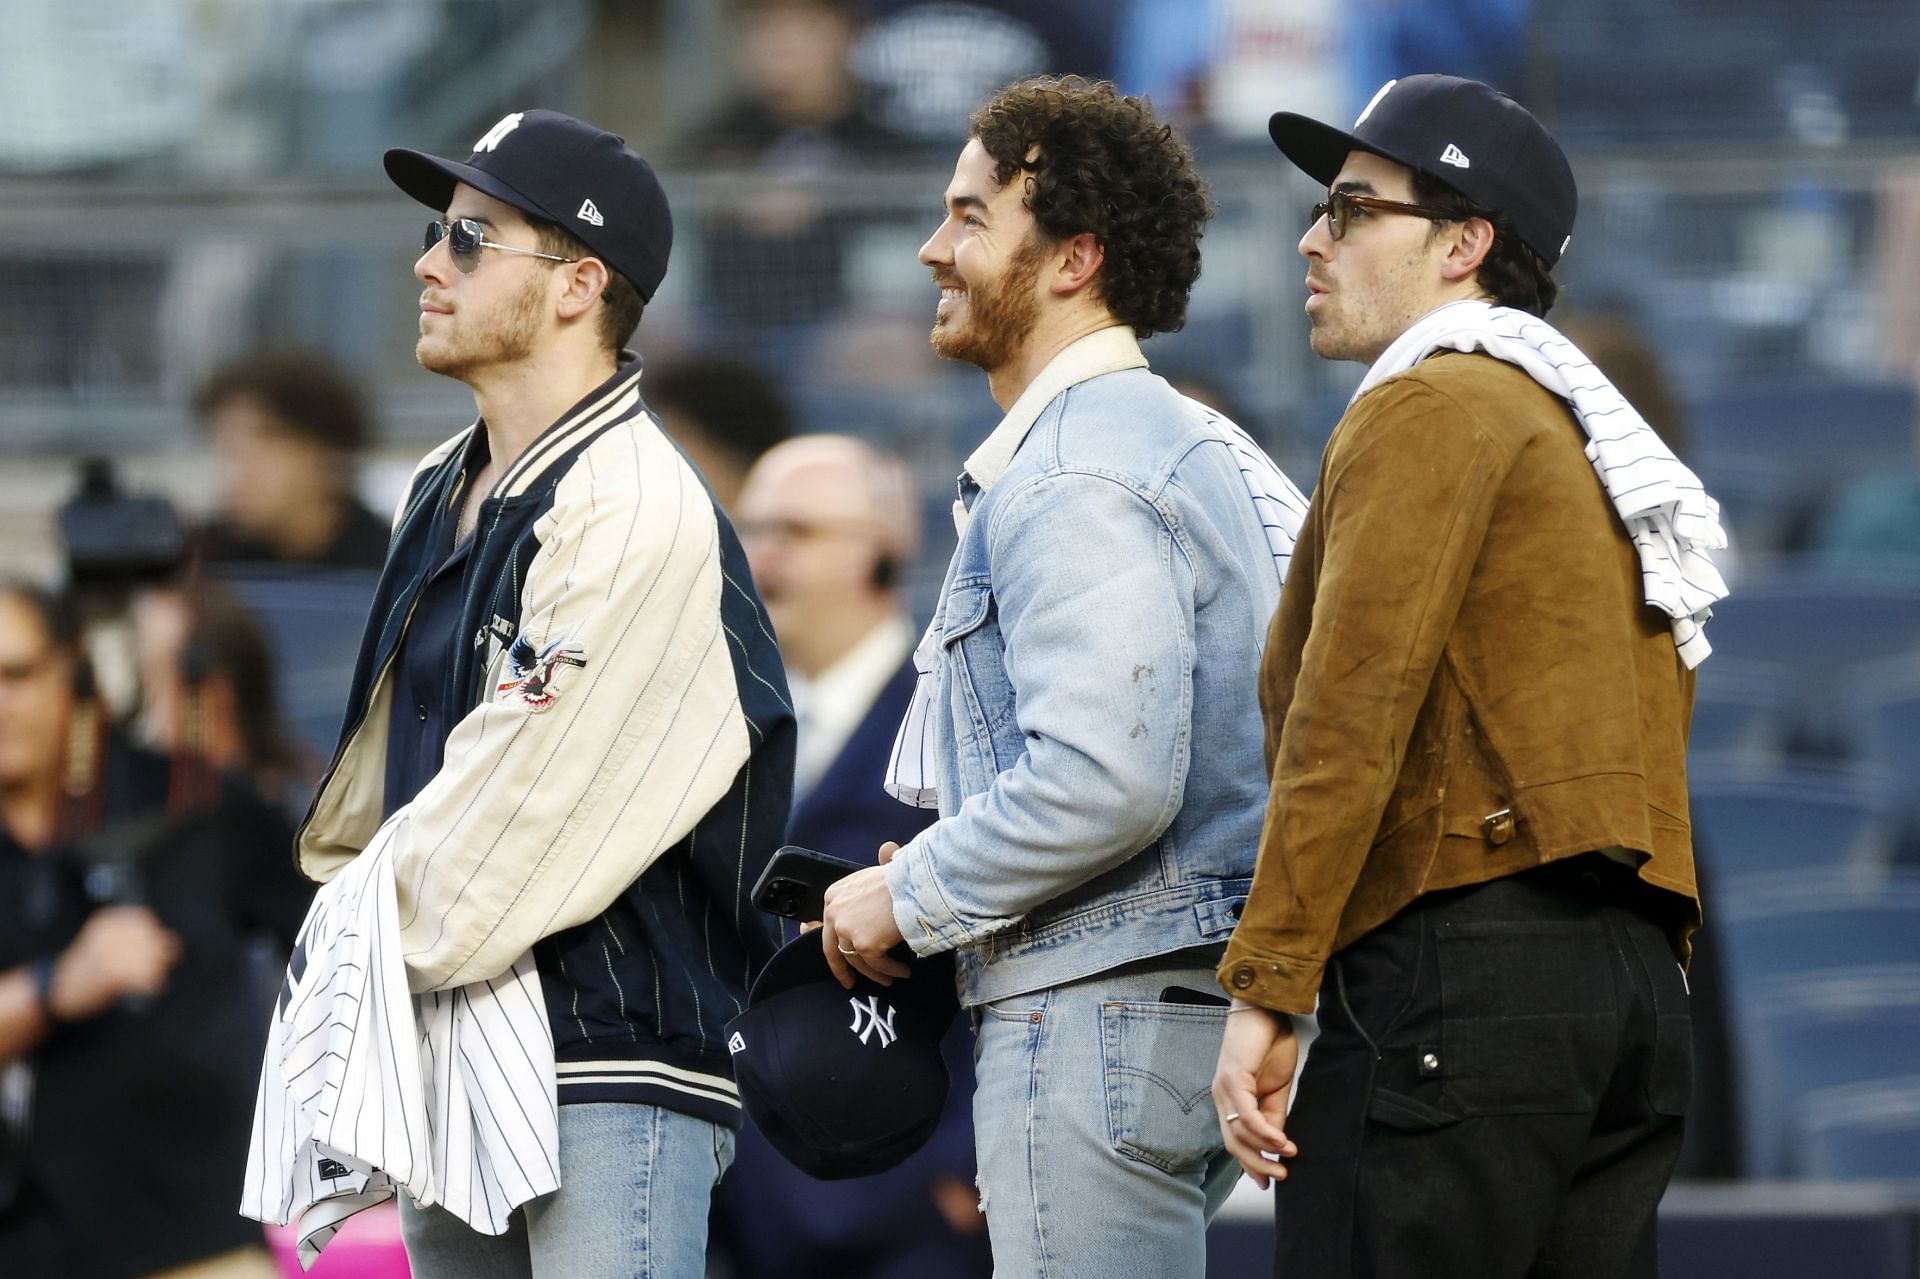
(365, 1087)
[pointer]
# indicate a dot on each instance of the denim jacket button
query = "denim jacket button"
(1243, 977)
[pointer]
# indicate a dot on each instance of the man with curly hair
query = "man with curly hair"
(1082, 718)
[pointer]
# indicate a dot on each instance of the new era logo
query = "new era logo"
(588, 213)
(867, 1020)
(1456, 157)
(736, 1044)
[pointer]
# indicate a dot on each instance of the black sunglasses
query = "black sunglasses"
(465, 238)
(1339, 208)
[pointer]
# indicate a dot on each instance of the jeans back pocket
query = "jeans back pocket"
(1158, 1061)
(1529, 1015)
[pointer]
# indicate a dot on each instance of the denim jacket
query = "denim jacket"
(1098, 738)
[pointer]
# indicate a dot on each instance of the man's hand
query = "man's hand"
(120, 951)
(1250, 1088)
(858, 928)
(959, 1204)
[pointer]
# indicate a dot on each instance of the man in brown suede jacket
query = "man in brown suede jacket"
(1477, 687)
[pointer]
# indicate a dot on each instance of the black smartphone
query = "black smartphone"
(794, 884)
(1198, 998)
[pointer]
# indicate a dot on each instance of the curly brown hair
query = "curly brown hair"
(1105, 164)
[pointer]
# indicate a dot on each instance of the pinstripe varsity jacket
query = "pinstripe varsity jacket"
(620, 761)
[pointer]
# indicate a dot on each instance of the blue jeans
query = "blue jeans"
(635, 1184)
(1098, 1149)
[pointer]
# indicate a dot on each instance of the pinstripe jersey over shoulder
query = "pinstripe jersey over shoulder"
(619, 760)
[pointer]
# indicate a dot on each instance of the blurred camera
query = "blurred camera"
(116, 538)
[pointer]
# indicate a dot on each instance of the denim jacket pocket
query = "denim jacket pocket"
(1158, 1062)
(969, 604)
(981, 695)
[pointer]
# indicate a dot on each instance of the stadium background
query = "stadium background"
(182, 181)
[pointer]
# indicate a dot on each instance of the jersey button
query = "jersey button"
(421, 710)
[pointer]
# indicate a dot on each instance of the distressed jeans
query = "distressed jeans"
(1098, 1150)
(635, 1184)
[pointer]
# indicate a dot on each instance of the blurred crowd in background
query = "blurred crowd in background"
(208, 405)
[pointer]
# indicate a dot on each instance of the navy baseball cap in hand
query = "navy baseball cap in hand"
(843, 1083)
(1470, 136)
(564, 171)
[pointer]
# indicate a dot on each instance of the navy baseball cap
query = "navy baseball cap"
(1470, 136)
(565, 171)
(843, 1083)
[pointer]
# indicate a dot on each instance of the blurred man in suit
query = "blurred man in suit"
(830, 525)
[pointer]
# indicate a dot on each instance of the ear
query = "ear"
(586, 280)
(1472, 240)
(1076, 262)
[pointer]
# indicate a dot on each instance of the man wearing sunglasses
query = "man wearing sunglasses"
(1477, 689)
(568, 717)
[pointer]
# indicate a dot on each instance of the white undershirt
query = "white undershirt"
(830, 706)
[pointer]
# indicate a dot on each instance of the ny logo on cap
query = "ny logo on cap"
(867, 1020)
(1456, 157)
(590, 212)
(1374, 101)
(491, 138)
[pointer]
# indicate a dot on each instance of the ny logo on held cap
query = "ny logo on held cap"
(867, 1020)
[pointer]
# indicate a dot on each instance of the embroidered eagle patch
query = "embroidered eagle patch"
(531, 672)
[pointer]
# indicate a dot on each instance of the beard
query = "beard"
(1000, 315)
(507, 337)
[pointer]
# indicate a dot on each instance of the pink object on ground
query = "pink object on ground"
(367, 1247)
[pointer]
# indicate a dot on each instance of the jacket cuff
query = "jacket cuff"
(1281, 983)
(920, 909)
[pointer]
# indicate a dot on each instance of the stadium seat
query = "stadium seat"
(1869, 1130)
(313, 619)
(1762, 817)
(1793, 927)
(1816, 1033)
(1814, 622)
(1740, 708)
(1819, 421)
(1883, 711)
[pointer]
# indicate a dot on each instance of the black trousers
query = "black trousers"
(1498, 1087)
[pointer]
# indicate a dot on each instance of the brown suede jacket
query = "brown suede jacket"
(1463, 679)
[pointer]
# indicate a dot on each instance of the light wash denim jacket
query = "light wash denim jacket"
(1100, 757)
